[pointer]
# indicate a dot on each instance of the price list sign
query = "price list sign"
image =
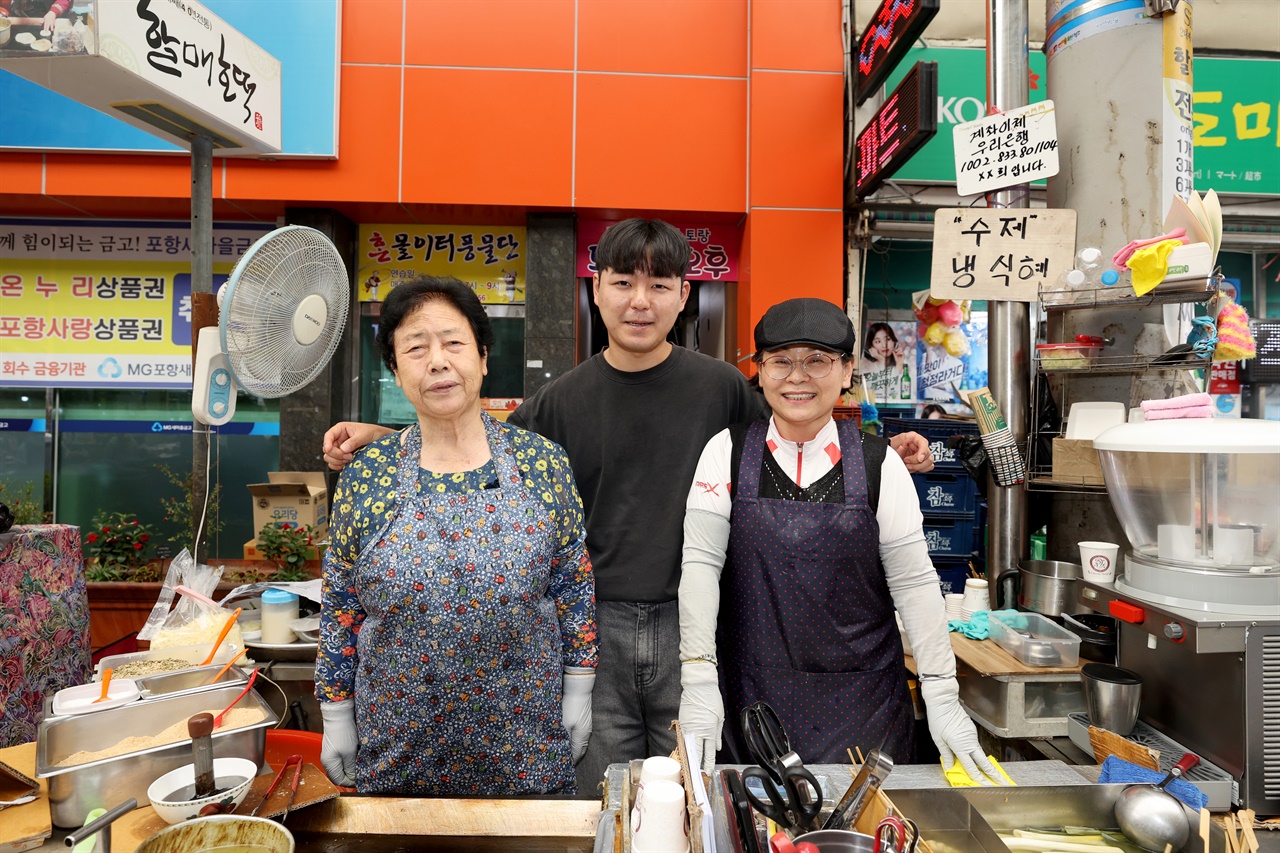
(1005, 254)
(1007, 149)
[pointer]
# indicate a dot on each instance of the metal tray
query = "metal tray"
(189, 681)
(75, 791)
(298, 651)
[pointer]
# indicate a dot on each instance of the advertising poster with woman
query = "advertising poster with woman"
(888, 360)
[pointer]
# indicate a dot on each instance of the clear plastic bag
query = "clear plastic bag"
(197, 618)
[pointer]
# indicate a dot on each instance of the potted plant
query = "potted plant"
(291, 547)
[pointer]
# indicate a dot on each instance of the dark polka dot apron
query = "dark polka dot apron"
(806, 621)
(459, 684)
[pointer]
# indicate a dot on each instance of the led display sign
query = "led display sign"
(907, 120)
(888, 36)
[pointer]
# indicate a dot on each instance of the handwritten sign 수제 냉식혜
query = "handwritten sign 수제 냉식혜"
(1006, 254)
(1007, 149)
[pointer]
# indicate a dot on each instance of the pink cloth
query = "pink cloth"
(1121, 258)
(1186, 401)
(1170, 414)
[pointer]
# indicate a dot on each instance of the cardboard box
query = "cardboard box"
(1075, 461)
(295, 497)
(253, 552)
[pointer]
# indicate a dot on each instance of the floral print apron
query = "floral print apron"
(458, 686)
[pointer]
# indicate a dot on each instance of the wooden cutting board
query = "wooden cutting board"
(313, 787)
(26, 826)
(989, 659)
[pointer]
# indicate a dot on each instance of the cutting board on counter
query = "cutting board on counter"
(28, 825)
(313, 787)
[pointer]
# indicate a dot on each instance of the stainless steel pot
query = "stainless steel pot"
(1043, 586)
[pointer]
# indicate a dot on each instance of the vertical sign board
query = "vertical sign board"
(1177, 111)
(907, 120)
(1007, 149)
(999, 253)
(169, 67)
(889, 35)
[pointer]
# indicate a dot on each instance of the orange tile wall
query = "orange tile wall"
(715, 107)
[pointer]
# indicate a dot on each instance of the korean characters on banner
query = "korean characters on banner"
(1004, 254)
(713, 249)
(102, 306)
(888, 360)
(491, 259)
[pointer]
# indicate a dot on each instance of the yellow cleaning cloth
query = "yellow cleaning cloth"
(1150, 264)
(958, 778)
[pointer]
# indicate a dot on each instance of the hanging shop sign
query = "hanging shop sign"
(713, 249)
(1236, 117)
(904, 122)
(888, 36)
(174, 69)
(1176, 117)
(489, 259)
(999, 253)
(102, 306)
(1004, 150)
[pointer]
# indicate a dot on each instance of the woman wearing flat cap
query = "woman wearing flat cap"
(801, 537)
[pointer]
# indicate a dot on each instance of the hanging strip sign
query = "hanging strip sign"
(1005, 254)
(1007, 149)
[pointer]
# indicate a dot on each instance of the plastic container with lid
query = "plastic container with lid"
(279, 608)
(1072, 356)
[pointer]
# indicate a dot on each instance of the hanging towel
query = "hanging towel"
(1185, 401)
(1121, 257)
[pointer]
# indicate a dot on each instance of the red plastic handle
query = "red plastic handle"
(1188, 761)
(782, 843)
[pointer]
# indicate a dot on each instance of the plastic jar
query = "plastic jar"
(279, 608)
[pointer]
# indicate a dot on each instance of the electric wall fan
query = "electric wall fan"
(280, 318)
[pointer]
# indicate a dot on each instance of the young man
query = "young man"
(633, 420)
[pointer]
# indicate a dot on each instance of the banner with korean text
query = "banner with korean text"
(489, 258)
(713, 249)
(102, 304)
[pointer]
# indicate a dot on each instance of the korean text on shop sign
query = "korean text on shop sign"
(495, 248)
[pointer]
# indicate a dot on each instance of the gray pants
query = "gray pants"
(637, 690)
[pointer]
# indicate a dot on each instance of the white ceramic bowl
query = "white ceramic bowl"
(176, 780)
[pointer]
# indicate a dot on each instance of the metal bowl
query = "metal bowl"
(219, 831)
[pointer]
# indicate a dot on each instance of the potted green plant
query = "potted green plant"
(291, 547)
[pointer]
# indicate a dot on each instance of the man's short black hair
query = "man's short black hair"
(409, 296)
(648, 246)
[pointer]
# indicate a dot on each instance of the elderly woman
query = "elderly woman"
(802, 535)
(457, 633)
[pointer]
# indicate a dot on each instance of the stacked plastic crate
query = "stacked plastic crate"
(948, 499)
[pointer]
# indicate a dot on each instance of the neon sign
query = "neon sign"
(907, 120)
(888, 36)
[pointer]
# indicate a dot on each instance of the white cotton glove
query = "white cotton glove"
(701, 708)
(338, 750)
(575, 707)
(954, 733)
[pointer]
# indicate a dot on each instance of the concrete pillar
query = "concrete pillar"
(1119, 132)
(331, 396)
(550, 300)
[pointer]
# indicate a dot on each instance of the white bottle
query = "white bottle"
(279, 608)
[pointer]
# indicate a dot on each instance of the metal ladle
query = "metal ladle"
(1152, 818)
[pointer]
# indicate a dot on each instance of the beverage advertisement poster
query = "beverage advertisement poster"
(888, 360)
(940, 374)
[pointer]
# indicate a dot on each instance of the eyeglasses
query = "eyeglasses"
(816, 366)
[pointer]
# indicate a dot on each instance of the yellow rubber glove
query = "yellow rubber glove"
(1150, 264)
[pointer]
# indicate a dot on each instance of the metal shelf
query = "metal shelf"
(1122, 295)
(1115, 365)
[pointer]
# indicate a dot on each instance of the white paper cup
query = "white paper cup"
(658, 823)
(975, 596)
(655, 768)
(1098, 560)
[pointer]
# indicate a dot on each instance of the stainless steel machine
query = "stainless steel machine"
(1198, 596)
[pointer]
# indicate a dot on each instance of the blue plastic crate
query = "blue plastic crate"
(952, 573)
(949, 537)
(946, 493)
(936, 432)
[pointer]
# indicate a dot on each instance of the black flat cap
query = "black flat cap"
(800, 322)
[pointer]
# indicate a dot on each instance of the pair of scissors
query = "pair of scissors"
(897, 831)
(794, 798)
